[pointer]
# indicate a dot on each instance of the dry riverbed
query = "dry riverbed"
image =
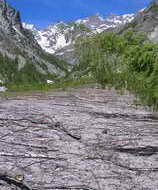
(85, 139)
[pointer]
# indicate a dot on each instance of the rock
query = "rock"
(145, 21)
(3, 89)
(1, 82)
(105, 131)
(50, 82)
(55, 140)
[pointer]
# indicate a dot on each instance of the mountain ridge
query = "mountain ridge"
(57, 36)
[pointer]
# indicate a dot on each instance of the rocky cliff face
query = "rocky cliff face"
(19, 43)
(9, 17)
(11, 31)
(146, 21)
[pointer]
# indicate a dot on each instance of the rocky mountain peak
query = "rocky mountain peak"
(145, 21)
(154, 2)
(2, 2)
(153, 6)
(9, 17)
(96, 19)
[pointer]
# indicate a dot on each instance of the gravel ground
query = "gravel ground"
(85, 139)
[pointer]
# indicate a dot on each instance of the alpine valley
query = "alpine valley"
(32, 56)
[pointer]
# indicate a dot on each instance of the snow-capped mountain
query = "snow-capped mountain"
(58, 36)
(98, 24)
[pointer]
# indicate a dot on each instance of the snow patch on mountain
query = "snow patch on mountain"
(28, 26)
(142, 10)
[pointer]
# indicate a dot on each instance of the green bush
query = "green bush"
(126, 61)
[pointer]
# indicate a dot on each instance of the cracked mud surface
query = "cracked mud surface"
(86, 139)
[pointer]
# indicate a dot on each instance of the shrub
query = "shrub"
(126, 61)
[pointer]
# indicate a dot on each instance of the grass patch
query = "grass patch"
(64, 84)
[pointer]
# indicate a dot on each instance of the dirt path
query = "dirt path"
(85, 139)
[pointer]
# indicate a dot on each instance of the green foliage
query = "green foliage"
(28, 78)
(83, 27)
(63, 85)
(29, 75)
(62, 26)
(142, 57)
(55, 61)
(132, 24)
(8, 68)
(71, 23)
(12, 75)
(153, 8)
(126, 61)
(79, 27)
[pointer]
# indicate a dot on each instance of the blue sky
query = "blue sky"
(45, 12)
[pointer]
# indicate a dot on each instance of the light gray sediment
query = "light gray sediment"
(82, 139)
